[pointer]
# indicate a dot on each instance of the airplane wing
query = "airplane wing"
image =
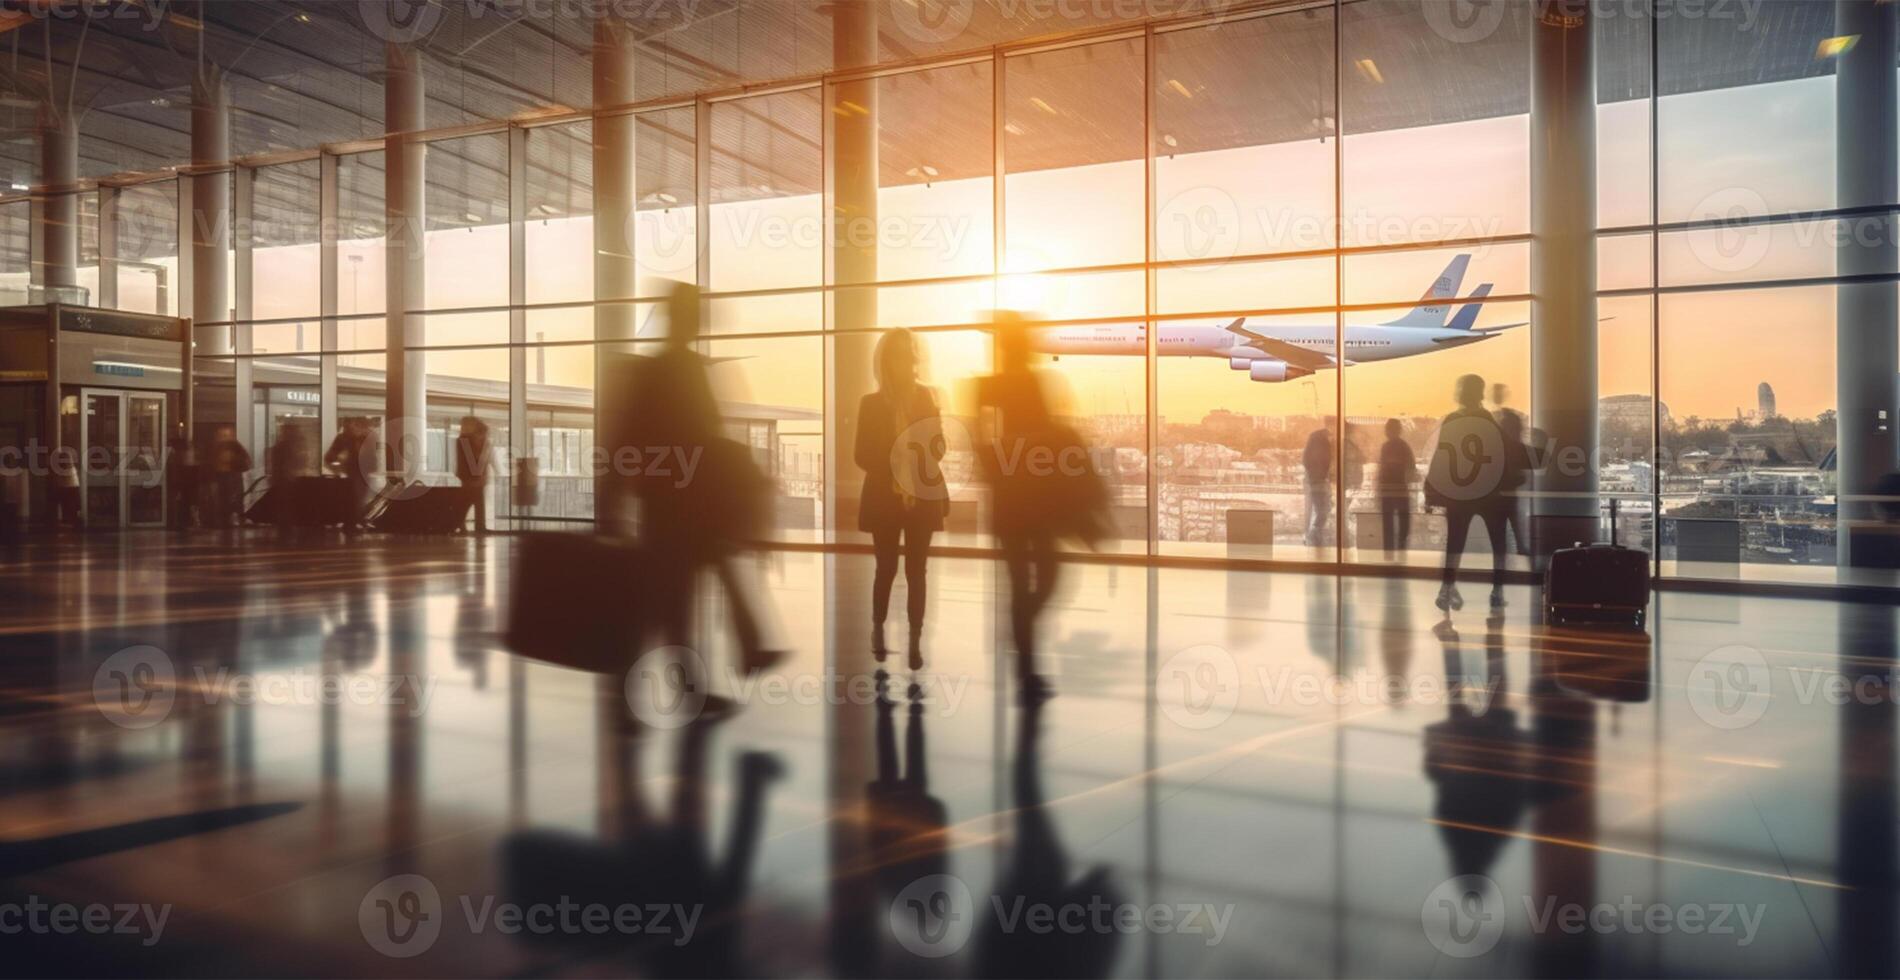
(1296, 356)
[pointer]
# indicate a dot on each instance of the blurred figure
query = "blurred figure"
(1038, 876)
(181, 479)
(690, 524)
(66, 463)
(1513, 505)
(904, 501)
(1318, 461)
(474, 463)
(1044, 485)
(1465, 478)
(1398, 471)
(286, 467)
(229, 462)
(353, 455)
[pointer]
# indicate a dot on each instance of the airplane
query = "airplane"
(1282, 352)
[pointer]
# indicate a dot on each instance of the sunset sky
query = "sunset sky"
(1766, 147)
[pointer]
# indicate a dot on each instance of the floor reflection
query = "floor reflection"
(323, 760)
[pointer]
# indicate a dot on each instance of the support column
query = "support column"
(210, 215)
(328, 413)
(851, 171)
(853, 177)
(1866, 314)
(243, 198)
(56, 263)
(614, 268)
(406, 408)
(1564, 270)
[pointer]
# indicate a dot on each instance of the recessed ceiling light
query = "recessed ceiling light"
(1834, 47)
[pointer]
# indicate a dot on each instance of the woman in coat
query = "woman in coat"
(900, 446)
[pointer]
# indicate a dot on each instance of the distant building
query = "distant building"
(1628, 409)
(1765, 401)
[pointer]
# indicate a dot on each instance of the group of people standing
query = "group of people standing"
(1478, 470)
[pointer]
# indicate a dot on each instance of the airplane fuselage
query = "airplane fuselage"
(1363, 343)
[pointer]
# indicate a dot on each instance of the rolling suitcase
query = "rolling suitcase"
(1597, 583)
(435, 510)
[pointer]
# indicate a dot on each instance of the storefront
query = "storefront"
(89, 400)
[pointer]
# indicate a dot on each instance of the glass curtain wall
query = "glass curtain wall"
(1249, 200)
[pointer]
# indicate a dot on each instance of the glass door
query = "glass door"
(122, 458)
(144, 459)
(101, 454)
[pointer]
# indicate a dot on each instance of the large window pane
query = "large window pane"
(1073, 197)
(1748, 423)
(560, 217)
(1437, 130)
(147, 234)
(1236, 178)
(1073, 189)
(466, 245)
(285, 241)
(361, 234)
(767, 213)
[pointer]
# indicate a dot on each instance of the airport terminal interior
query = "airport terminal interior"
(1004, 488)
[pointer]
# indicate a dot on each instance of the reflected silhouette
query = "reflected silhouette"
(1477, 758)
(1039, 875)
(655, 860)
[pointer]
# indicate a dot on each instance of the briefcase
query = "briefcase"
(576, 601)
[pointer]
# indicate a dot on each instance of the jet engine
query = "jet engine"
(1273, 369)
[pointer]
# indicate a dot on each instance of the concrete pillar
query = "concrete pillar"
(210, 217)
(1564, 269)
(406, 411)
(56, 262)
(614, 271)
(853, 178)
(1866, 314)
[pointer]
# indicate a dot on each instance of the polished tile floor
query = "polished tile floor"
(234, 756)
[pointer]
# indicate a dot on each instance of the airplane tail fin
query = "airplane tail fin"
(1467, 315)
(1433, 306)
